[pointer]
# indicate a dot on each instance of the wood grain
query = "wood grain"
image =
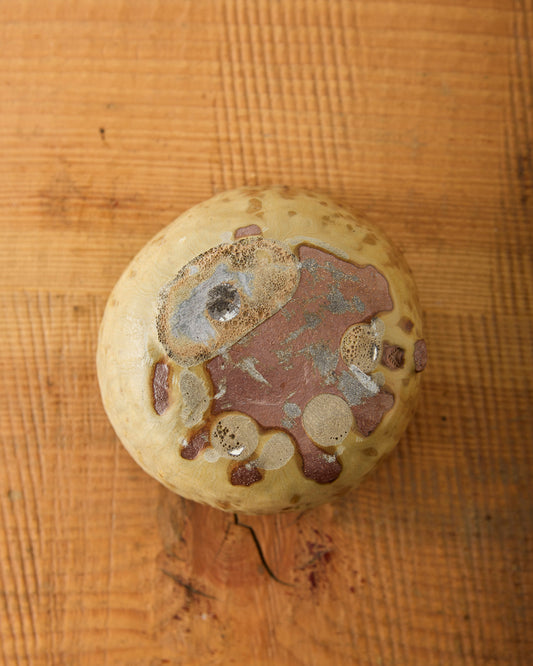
(115, 117)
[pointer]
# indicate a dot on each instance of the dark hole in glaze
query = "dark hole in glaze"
(223, 302)
(393, 356)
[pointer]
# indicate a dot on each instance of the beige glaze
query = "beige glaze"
(269, 398)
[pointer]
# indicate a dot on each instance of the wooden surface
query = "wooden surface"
(115, 117)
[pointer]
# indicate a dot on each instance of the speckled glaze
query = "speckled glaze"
(263, 352)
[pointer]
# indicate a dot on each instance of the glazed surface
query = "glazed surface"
(262, 352)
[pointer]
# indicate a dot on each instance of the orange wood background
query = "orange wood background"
(117, 115)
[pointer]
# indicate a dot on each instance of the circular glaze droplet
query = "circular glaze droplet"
(276, 453)
(361, 345)
(235, 436)
(327, 419)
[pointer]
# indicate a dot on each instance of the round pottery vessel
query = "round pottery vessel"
(263, 352)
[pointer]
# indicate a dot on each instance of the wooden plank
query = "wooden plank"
(116, 117)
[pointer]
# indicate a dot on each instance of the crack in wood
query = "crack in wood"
(192, 591)
(260, 551)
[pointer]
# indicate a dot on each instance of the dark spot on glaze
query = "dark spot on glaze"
(295, 499)
(223, 302)
(393, 356)
(250, 230)
(394, 260)
(420, 355)
(370, 451)
(406, 324)
(370, 239)
(291, 213)
(254, 206)
(287, 192)
(245, 476)
(255, 190)
(197, 443)
(160, 387)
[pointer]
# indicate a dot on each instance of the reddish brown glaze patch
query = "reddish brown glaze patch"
(420, 355)
(160, 384)
(250, 230)
(294, 355)
(197, 443)
(319, 466)
(406, 324)
(245, 476)
(368, 415)
(392, 356)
